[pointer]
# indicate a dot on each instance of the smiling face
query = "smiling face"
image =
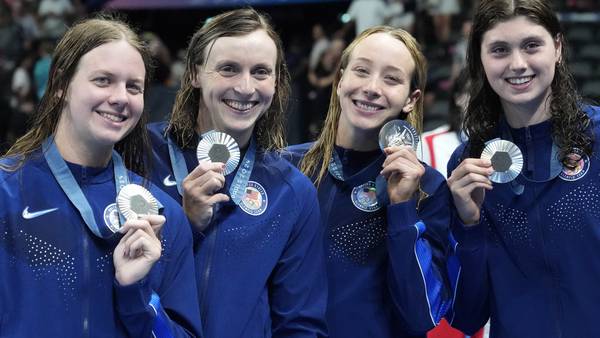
(519, 59)
(375, 87)
(237, 83)
(104, 100)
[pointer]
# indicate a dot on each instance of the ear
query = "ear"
(339, 85)
(411, 101)
(196, 77)
(558, 48)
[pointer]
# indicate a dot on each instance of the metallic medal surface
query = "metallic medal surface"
(506, 158)
(398, 133)
(134, 200)
(219, 147)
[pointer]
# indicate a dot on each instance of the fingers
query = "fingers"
(471, 171)
(209, 182)
(205, 166)
(402, 160)
(156, 222)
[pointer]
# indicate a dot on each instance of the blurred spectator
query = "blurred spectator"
(24, 15)
(402, 14)
(320, 45)
(22, 100)
(320, 80)
(41, 69)
(54, 17)
(459, 51)
(441, 12)
(161, 93)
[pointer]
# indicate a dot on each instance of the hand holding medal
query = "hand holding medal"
(218, 155)
(140, 247)
(403, 171)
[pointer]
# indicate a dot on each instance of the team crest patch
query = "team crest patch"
(111, 217)
(578, 171)
(364, 197)
(255, 199)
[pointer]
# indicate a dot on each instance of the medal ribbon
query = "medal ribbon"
(67, 182)
(240, 180)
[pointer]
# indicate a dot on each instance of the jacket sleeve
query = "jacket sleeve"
(298, 290)
(467, 269)
(168, 308)
(417, 246)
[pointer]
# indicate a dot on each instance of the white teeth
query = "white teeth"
(238, 105)
(366, 106)
(114, 118)
(519, 80)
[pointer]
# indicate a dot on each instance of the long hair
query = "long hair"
(317, 159)
(570, 125)
(80, 39)
(269, 129)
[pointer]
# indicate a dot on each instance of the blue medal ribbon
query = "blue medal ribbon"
(67, 182)
(335, 167)
(161, 328)
(240, 180)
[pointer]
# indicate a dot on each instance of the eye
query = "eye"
(262, 73)
(101, 81)
(360, 71)
(532, 46)
(391, 79)
(499, 50)
(228, 70)
(135, 88)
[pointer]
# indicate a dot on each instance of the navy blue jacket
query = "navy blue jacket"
(530, 264)
(385, 263)
(57, 277)
(260, 269)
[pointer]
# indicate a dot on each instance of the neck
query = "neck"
(80, 152)
(525, 115)
(354, 139)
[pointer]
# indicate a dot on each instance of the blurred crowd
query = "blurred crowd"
(30, 28)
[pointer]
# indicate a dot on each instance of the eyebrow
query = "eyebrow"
(528, 37)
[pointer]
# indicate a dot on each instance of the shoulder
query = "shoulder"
(278, 165)
(432, 180)
(156, 131)
(457, 156)
(296, 152)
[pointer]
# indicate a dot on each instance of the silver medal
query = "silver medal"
(219, 147)
(398, 133)
(506, 158)
(134, 200)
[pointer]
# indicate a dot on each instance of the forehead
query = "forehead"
(384, 49)
(115, 57)
(255, 47)
(515, 29)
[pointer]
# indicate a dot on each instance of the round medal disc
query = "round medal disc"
(219, 147)
(134, 200)
(398, 133)
(506, 158)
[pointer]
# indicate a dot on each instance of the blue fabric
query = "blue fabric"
(258, 275)
(57, 277)
(386, 267)
(530, 265)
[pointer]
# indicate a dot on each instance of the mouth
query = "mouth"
(366, 106)
(113, 117)
(520, 80)
(241, 106)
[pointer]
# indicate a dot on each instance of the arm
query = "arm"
(467, 264)
(298, 290)
(168, 307)
(417, 242)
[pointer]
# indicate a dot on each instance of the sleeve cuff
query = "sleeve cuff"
(401, 216)
(133, 298)
(469, 237)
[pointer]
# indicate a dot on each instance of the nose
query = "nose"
(372, 88)
(245, 84)
(517, 62)
(118, 95)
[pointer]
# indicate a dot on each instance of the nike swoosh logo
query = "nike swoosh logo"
(168, 182)
(29, 215)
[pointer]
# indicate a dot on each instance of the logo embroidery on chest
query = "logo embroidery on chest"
(255, 200)
(111, 217)
(364, 197)
(582, 167)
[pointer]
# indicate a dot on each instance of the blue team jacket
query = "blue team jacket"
(385, 263)
(530, 264)
(57, 277)
(260, 267)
